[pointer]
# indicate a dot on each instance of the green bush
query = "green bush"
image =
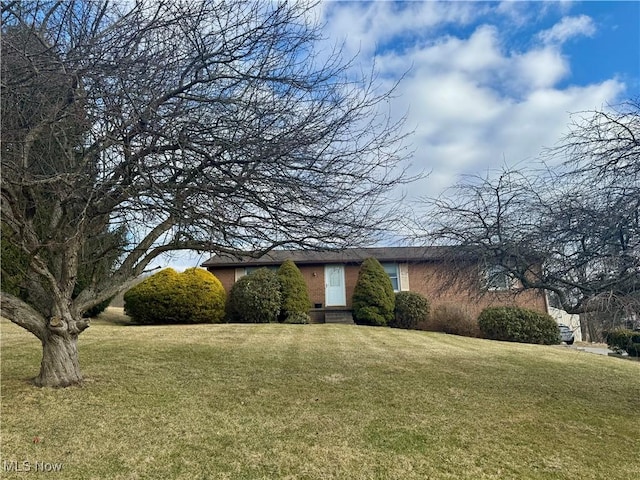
(515, 324)
(294, 294)
(195, 296)
(453, 319)
(255, 298)
(297, 317)
(411, 308)
(624, 340)
(373, 296)
(204, 297)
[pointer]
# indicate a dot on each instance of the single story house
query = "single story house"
(442, 274)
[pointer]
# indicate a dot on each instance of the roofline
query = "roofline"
(344, 256)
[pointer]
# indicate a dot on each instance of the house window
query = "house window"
(242, 271)
(249, 270)
(394, 275)
(497, 278)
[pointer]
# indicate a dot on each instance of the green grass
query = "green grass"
(319, 402)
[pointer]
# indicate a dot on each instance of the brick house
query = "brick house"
(437, 273)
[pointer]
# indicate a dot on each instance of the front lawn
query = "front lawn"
(318, 401)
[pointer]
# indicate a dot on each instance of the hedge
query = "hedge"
(515, 324)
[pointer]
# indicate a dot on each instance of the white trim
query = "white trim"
(403, 269)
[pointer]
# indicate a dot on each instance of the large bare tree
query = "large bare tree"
(210, 125)
(572, 228)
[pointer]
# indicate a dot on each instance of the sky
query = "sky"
(486, 85)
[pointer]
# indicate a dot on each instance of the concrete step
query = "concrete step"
(338, 317)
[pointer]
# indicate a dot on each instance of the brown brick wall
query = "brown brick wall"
(429, 279)
(432, 281)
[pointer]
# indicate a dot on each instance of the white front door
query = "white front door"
(335, 295)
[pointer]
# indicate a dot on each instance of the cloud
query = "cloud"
(475, 100)
(567, 28)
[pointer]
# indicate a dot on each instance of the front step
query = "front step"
(338, 317)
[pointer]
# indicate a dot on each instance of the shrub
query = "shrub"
(97, 309)
(623, 340)
(150, 301)
(294, 294)
(203, 298)
(515, 324)
(255, 298)
(411, 308)
(453, 319)
(194, 296)
(297, 317)
(373, 296)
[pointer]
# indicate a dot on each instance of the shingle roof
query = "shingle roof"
(349, 255)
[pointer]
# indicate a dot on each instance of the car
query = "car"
(566, 334)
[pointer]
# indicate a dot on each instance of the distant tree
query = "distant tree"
(207, 125)
(572, 229)
(373, 296)
(295, 295)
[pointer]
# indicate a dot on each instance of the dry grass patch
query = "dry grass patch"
(320, 401)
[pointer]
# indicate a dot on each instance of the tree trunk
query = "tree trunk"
(60, 366)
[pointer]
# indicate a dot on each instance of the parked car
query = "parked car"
(566, 334)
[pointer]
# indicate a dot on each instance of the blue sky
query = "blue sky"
(488, 84)
(491, 83)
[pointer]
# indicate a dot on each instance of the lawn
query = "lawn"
(318, 402)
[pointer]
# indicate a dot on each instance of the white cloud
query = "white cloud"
(541, 68)
(568, 28)
(475, 102)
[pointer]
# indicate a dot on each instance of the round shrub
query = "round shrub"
(515, 324)
(255, 298)
(194, 296)
(411, 309)
(294, 294)
(373, 296)
(150, 301)
(203, 297)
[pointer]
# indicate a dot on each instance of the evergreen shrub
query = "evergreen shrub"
(295, 299)
(194, 296)
(515, 324)
(411, 309)
(624, 340)
(373, 296)
(255, 298)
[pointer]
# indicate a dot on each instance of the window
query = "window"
(394, 276)
(497, 278)
(242, 271)
(249, 270)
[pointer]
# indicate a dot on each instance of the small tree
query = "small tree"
(373, 296)
(255, 298)
(295, 296)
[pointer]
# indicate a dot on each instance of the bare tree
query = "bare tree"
(573, 229)
(209, 125)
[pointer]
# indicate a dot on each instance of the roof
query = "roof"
(348, 255)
